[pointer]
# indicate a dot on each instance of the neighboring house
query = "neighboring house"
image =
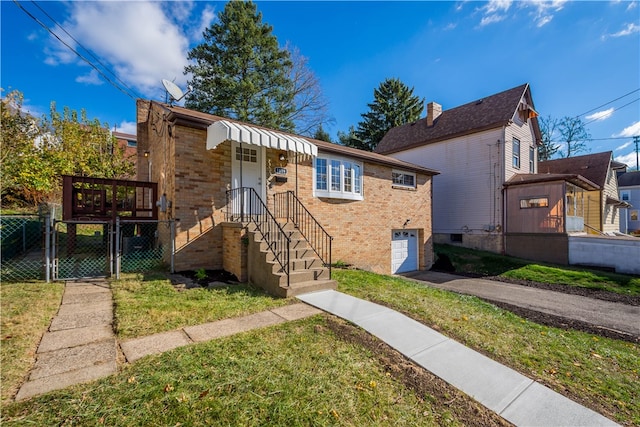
(477, 147)
(215, 174)
(601, 205)
(629, 186)
(129, 143)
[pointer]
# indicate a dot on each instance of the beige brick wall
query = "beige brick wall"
(362, 229)
(195, 181)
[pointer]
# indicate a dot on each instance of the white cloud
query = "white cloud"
(630, 29)
(494, 11)
(127, 127)
(623, 146)
(632, 5)
(626, 31)
(450, 26)
(140, 41)
(630, 131)
(628, 159)
(92, 78)
(543, 11)
(600, 115)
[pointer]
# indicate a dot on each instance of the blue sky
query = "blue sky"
(577, 56)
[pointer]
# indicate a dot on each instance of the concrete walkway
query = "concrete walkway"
(80, 346)
(603, 314)
(516, 398)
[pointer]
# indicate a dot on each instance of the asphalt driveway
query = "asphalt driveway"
(616, 317)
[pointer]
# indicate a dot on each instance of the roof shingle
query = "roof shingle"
(483, 114)
(594, 167)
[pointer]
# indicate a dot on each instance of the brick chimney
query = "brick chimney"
(433, 112)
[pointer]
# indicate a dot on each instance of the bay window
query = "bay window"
(337, 178)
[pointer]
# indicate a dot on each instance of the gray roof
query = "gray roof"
(629, 179)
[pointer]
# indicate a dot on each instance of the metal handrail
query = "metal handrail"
(288, 206)
(245, 206)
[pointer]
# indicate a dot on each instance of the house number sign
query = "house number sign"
(280, 171)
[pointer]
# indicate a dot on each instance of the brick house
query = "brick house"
(218, 175)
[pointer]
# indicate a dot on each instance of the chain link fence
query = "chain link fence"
(22, 248)
(36, 248)
(144, 245)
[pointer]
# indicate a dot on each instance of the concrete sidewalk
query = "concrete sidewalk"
(615, 316)
(79, 345)
(518, 399)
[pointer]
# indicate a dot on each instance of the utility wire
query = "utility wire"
(84, 48)
(607, 103)
(615, 109)
(43, 25)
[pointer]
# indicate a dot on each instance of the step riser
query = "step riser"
(305, 276)
(298, 265)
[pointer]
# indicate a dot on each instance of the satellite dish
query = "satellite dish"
(173, 90)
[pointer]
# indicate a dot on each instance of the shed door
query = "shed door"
(404, 251)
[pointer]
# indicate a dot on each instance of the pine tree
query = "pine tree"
(240, 72)
(394, 104)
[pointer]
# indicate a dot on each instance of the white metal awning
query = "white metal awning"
(224, 130)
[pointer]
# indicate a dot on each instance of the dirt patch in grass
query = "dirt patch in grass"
(573, 290)
(441, 395)
(565, 323)
(202, 279)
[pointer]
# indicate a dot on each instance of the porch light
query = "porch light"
(282, 157)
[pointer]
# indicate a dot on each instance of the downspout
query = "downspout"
(503, 172)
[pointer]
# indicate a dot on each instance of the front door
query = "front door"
(248, 170)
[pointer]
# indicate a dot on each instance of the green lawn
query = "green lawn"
(470, 261)
(599, 372)
(303, 373)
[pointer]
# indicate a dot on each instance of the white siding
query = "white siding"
(611, 214)
(467, 193)
(524, 133)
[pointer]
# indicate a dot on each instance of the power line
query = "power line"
(615, 109)
(43, 25)
(84, 48)
(607, 103)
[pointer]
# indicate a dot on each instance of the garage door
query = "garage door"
(404, 251)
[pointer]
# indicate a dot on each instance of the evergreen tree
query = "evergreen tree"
(322, 135)
(240, 72)
(394, 104)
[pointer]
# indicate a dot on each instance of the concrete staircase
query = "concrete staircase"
(306, 270)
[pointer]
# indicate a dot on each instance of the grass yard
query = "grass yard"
(27, 310)
(490, 264)
(601, 373)
(305, 372)
(295, 374)
(150, 304)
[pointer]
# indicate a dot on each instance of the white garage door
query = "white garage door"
(404, 251)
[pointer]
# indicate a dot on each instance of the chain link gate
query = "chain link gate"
(81, 249)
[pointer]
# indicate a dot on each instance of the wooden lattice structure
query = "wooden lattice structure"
(100, 199)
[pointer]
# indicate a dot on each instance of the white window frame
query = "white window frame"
(516, 153)
(532, 161)
(403, 173)
(354, 182)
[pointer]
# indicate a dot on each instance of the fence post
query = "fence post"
(172, 225)
(117, 248)
(47, 249)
